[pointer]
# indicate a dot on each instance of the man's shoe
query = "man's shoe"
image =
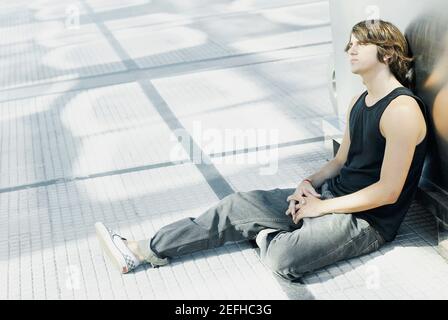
(262, 236)
(115, 247)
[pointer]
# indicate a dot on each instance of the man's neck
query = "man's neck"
(379, 83)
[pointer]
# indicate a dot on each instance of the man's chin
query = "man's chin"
(355, 71)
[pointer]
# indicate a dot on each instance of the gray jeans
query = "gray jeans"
(292, 251)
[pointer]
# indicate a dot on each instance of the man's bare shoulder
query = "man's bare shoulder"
(403, 110)
(403, 106)
(406, 100)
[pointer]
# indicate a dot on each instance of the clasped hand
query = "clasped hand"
(305, 202)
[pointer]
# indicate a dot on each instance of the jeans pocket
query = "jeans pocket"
(374, 244)
(373, 247)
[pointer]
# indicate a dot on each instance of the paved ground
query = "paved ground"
(91, 95)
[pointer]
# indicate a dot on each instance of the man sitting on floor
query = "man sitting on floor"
(350, 207)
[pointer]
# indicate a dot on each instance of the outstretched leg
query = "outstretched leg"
(239, 216)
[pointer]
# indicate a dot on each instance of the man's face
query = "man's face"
(363, 57)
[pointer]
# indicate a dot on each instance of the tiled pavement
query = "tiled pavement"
(87, 117)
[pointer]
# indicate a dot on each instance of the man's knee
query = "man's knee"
(234, 196)
(231, 199)
(241, 196)
(231, 205)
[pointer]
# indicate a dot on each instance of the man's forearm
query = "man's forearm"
(373, 196)
(329, 170)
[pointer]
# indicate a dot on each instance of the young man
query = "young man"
(350, 207)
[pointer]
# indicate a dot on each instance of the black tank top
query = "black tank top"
(364, 160)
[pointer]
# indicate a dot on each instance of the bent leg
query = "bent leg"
(320, 242)
(239, 216)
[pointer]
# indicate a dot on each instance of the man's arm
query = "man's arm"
(329, 170)
(401, 141)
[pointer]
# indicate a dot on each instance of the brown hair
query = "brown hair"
(390, 42)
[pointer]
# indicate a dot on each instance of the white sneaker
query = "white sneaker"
(115, 247)
(262, 236)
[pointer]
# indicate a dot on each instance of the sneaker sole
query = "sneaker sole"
(262, 235)
(109, 247)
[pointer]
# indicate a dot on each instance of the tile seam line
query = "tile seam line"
(138, 71)
(216, 182)
(155, 166)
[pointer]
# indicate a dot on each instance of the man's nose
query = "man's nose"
(352, 52)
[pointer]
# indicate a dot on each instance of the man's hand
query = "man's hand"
(307, 207)
(304, 189)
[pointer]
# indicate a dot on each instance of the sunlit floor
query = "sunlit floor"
(94, 96)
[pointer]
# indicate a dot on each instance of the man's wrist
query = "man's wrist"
(325, 207)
